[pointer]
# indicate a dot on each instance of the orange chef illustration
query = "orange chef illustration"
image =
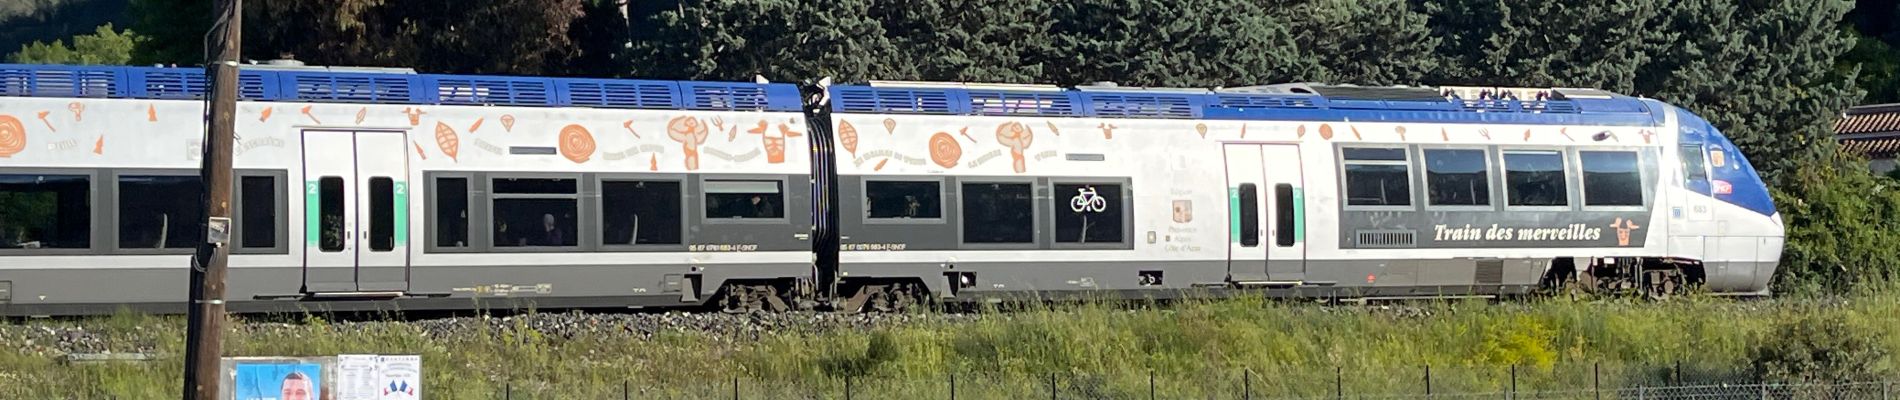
(450, 142)
(12, 136)
(1326, 131)
(690, 133)
(848, 135)
(576, 143)
(944, 150)
(774, 141)
(1017, 137)
(508, 122)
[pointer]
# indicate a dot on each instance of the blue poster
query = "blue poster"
(278, 381)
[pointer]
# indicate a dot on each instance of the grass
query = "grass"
(1191, 350)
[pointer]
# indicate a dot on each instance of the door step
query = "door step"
(355, 295)
(1267, 284)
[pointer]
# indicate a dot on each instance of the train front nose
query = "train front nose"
(1742, 240)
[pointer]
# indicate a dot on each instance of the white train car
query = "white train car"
(363, 189)
(436, 190)
(976, 191)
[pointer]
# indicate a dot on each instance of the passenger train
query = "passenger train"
(366, 188)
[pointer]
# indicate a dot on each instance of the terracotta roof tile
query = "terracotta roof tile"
(1869, 119)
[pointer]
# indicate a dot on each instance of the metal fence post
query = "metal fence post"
(1596, 380)
(1052, 386)
(1151, 384)
(1428, 380)
(735, 387)
(1246, 383)
(847, 387)
(1513, 381)
(1339, 383)
(953, 385)
(508, 390)
(626, 390)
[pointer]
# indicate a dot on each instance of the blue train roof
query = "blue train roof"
(948, 99)
(319, 86)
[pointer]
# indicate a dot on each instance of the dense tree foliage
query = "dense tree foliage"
(1771, 74)
(105, 46)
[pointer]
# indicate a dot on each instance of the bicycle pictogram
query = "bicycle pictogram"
(1087, 201)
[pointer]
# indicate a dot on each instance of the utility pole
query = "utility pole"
(204, 334)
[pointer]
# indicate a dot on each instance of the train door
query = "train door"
(1691, 213)
(356, 211)
(1265, 221)
(1246, 256)
(1286, 229)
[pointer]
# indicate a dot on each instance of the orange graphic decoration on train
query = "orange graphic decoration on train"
(848, 135)
(1201, 129)
(1401, 131)
(508, 122)
(415, 115)
(265, 115)
(361, 114)
(151, 113)
(1017, 137)
(475, 126)
(313, 117)
(774, 141)
(690, 133)
(1326, 131)
(79, 110)
(890, 126)
(419, 153)
(49, 123)
(12, 136)
(576, 143)
(446, 139)
(944, 150)
(99, 146)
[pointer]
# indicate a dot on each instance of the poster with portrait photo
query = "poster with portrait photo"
(291, 380)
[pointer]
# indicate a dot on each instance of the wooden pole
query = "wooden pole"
(204, 334)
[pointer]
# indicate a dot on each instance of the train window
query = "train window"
(46, 211)
(745, 199)
(1611, 178)
(1249, 199)
(898, 200)
(160, 212)
(451, 212)
(382, 214)
(998, 213)
(1377, 177)
(1535, 178)
(1693, 169)
(539, 212)
(258, 211)
(640, 212)
(1457, 177)
(330, 214)
(1088, 213)
(1283, 206)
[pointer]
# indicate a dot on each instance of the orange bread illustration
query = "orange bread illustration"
(446, 139)
(12, 136)
(576, 143)
(944, 150)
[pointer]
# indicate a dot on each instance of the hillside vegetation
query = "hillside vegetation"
(1195, 350)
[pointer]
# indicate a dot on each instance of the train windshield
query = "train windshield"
(1730, 177)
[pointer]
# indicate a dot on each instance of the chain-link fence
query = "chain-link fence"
(1288, 383)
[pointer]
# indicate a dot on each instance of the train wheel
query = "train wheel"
(753, 297)
(1662, 284)
(890, 297)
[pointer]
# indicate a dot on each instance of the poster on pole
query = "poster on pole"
(357, 377)
(276, 379)
(402, 377)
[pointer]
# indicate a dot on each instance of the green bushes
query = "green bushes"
(1822, 347)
